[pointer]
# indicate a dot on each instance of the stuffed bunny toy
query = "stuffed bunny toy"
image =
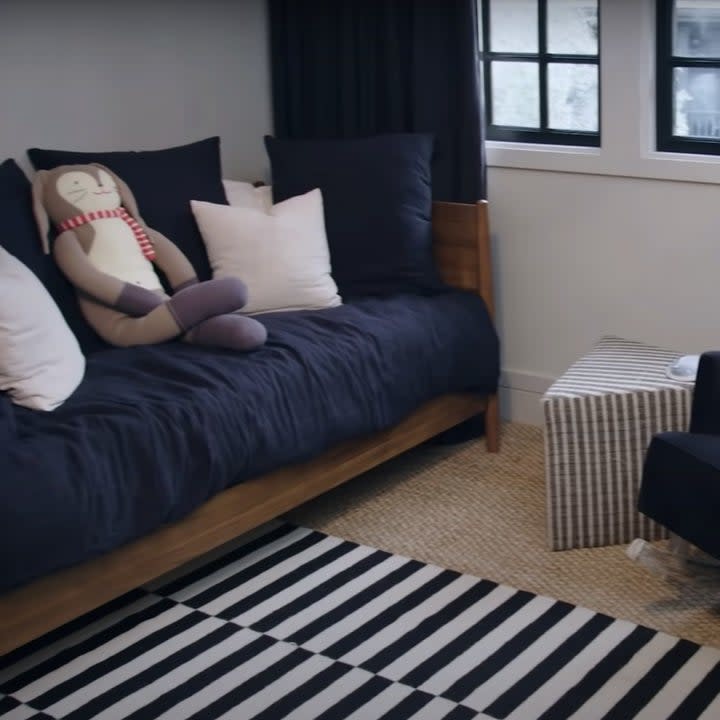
(108, 253)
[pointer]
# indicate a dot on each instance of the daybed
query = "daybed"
(166, 452)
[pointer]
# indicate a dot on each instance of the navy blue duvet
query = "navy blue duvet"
(152, 432)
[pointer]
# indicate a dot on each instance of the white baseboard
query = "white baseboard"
(520, 394)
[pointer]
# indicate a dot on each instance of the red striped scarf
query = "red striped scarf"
(141, 236)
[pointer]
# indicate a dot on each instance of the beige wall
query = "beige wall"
(578, 256)
(619, 240)
(99, 75)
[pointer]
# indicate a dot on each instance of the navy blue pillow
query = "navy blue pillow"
(378, 204)
(163, 183)
(8, 429)
(20, 238)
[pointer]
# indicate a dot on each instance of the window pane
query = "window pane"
(573, 96)
(697, 102)
(572, 27)
(513, 26)
(516, 94)
(697, 28)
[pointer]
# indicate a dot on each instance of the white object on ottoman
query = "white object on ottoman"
(599, 419)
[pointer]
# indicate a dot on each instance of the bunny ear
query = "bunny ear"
(41, 216)
(126, 196)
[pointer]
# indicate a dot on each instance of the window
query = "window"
(645, 134)
(688, 76)
(541, 70)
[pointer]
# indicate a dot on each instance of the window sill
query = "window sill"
(651, 165)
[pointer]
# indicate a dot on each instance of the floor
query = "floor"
(484, 514)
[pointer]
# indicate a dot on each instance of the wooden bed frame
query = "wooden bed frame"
(462, 246)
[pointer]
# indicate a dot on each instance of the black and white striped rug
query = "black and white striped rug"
(297, 624)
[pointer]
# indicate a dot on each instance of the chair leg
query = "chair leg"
(492, 425)
(679, 546)
(660, 562)
(690, 554)
(674, 565)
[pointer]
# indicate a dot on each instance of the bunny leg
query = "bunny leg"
(196, 303)
(122, 330)
(172, 317)
(235, 332)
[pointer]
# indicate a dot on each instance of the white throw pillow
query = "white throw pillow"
(41, 363)
(280, 254)
(245, 194)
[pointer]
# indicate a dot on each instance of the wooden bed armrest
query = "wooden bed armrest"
(462, 247)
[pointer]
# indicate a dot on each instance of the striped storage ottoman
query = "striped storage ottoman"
(599, 418)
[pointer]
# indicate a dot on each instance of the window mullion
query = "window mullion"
(486, 47)
(679, 61)
(542, 69)
(663, 91)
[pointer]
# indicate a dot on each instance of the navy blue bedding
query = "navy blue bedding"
(152, 432)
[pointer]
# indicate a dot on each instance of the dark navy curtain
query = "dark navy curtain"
(351, 68)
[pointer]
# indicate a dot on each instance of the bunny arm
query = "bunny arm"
(170, 259)
(101, 287)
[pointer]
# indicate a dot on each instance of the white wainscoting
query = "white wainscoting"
(520, 395)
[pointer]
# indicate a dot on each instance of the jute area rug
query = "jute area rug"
(462, 508)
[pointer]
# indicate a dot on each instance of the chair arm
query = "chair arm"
(705, 416)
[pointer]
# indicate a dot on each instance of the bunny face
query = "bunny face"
(88, 191)
(70, 190)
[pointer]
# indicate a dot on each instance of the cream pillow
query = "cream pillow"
(41, 363)
(245, 194)
(280, 254)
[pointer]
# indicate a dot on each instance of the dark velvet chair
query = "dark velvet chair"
(680, 486)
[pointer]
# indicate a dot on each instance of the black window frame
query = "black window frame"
(665, 63)
(544, 59)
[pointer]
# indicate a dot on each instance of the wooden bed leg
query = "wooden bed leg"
(492, 425)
